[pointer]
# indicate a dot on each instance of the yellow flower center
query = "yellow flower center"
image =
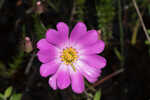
(69, 56)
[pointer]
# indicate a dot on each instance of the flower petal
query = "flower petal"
(89, 38)
(78, 31)
(49, 68)
(90, 73)
(63, 29)
(47, 51)
(94, 61)
(63, 79)
(95, 48)
(52, 81)
(77, 81)
(46, 56)
(44, 45)
(55, 38)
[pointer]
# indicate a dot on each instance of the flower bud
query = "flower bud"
(28, 45)
(40, 8)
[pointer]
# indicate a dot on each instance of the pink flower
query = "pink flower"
(67, 58)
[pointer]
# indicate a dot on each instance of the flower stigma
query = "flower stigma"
(69, 56)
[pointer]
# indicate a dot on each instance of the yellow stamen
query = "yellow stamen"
(69, 56)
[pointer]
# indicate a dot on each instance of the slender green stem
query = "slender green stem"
(121, 31)
(135, 31)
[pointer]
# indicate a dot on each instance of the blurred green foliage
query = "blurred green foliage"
(105, 12)
(9, 94)
(13, 65)
(80, 9)
(39, 28)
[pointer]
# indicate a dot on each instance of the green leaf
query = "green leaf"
(97, 95)
(1, 96)
(8, 92)
(16, 96)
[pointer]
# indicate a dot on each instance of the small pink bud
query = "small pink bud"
(28, 45)
(38, 3)
(40, 8)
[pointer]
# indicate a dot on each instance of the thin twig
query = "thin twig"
(29, 64)
(141, 19)
(107, 77)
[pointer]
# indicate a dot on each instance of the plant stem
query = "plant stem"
(135, 31)
(141, 19)
(121, 32)
(30, 63)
